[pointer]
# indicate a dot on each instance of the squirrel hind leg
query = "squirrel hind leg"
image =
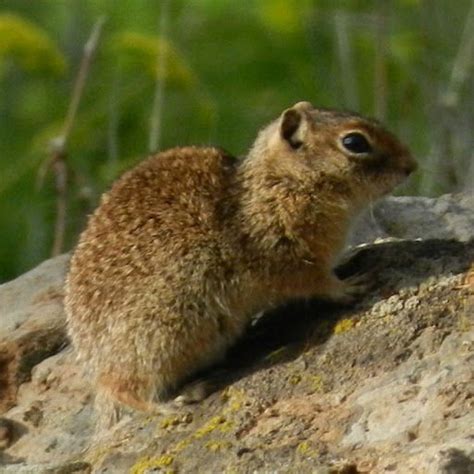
(108, 410)
(119, 395)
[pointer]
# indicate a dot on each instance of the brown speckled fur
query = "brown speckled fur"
(189, 245)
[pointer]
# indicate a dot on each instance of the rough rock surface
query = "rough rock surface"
(386, 385)
(449, 217)
(31, 324)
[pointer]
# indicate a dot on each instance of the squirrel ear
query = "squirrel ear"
(293, 124)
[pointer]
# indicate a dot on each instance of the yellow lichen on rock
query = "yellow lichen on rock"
(316, 382)
(295, 379)
(216, 446)
(168, 422)
(216, 423)
(144, 464)
(343, 325)
(305, 449)
(234, 398)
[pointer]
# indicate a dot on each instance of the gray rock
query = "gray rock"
(32, 324)
(20, 298)
(449, 217)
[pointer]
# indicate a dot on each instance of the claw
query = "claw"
(353, 288)
(198, 390)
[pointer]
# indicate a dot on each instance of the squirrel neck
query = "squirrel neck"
(290, 213)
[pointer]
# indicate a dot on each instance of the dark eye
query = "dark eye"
(356, 143)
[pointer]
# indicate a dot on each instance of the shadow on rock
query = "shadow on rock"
(282, 334)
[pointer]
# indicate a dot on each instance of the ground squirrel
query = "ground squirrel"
(189, 245)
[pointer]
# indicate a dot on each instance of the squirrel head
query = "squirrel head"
(343, 147)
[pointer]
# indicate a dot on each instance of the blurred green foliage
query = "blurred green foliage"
(31, 47)
(140, 52)
(224, 69)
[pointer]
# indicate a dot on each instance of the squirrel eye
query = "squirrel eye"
(356, 143)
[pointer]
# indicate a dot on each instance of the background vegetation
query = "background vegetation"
(175, 72)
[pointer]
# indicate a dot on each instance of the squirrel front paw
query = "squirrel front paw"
(199, 389)
(351, 289)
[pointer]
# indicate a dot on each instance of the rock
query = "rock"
(449, 217)
(21, 298)
(386, 385)
(31, 324)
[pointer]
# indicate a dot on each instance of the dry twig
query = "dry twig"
(162, 66)
(57, 160)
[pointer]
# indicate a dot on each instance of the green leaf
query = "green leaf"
(29, 46)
